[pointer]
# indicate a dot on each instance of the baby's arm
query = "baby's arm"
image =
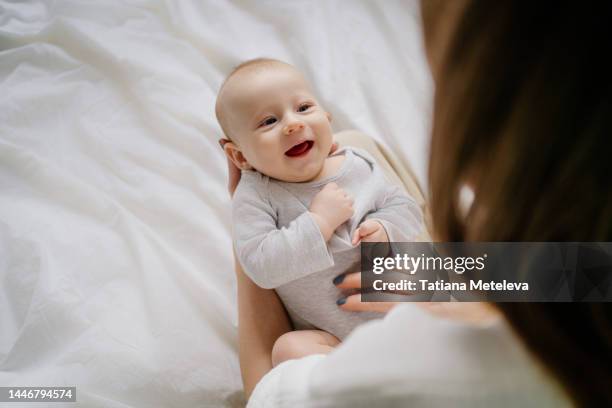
(398, 213)
(273, 256)
(331, 207)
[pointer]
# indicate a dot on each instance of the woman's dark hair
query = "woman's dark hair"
(523, 115)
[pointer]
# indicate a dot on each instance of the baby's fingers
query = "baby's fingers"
(369, 227)
(356, 237)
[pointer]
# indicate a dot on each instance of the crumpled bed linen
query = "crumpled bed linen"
(116, 271)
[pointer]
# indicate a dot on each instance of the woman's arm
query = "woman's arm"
(261, 320)
(261, 316)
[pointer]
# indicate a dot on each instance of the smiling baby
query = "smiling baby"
(299, 211)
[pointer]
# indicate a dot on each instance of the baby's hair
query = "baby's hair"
(252, 64)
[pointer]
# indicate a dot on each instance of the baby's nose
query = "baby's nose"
(293, 127)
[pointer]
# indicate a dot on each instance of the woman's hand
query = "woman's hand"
(353, 302)
(475, 313)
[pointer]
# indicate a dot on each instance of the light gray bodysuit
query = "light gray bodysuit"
(281, 247)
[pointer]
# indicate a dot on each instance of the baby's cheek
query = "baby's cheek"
(264, 147)
(324, 136)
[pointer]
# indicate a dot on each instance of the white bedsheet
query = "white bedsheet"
(115, 261)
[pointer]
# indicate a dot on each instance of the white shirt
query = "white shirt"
(412, 358)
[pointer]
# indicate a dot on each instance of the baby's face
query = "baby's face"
(276, 122)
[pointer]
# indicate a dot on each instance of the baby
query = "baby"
(299, 211)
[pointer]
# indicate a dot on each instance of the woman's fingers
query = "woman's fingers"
(353, 303)
(353, 281)
(234, 177)
(333, 148)
(232, 171)
(348, 281)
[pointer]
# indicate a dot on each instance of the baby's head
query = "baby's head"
(273, 121)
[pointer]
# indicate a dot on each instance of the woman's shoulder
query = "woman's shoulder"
(412, 352)
(413, 356)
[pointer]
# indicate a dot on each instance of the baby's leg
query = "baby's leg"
(301, 343)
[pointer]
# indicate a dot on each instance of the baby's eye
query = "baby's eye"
(304, 107)
(267, 121)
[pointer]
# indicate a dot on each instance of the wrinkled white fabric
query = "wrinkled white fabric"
(115, 252)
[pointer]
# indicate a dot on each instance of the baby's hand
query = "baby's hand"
(331, 207)
(370, 231)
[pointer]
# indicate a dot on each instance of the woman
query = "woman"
(522, 116)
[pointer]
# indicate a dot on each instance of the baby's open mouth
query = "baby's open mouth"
(300, 149)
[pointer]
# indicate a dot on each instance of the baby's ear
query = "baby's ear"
(329, 116)
(235, 155)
